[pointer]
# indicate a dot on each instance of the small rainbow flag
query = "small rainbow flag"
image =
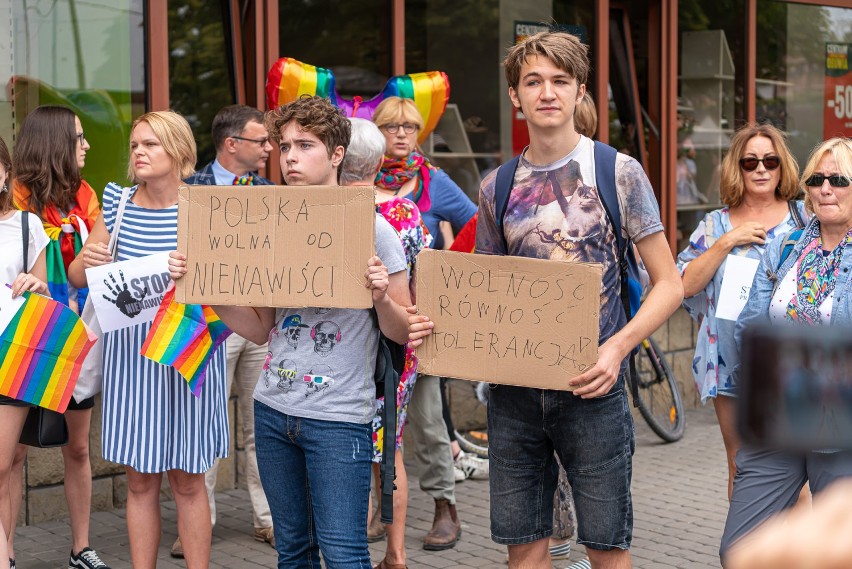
(185, 336)
(42, 350)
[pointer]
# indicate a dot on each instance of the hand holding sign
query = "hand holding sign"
(419, 326)
(376, 278)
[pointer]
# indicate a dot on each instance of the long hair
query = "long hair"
(46, 158)
(6, 161)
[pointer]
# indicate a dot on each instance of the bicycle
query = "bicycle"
(660, 402)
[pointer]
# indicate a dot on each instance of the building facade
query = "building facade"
(672, 79)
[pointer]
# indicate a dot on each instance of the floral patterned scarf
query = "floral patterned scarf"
(815, 278)
(395, 172)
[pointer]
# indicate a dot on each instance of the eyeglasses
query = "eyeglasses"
(835, 181)
(81, 138)
(407, 128)
(750, 164)
(260, 141)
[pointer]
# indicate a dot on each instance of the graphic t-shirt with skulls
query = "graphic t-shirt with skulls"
(321, 361)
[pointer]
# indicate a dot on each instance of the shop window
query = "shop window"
(88, 56)
(201, 70)
(804, 78)
(710, 103)
(353, 40)
(467, 40)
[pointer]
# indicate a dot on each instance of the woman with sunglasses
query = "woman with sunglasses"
(50, 153)
(809, 284)
(759, 183)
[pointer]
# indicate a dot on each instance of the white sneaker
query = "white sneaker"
(472, 466)
(459, 474)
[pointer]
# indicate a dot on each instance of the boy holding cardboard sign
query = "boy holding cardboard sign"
(315, 400)
(554, 211)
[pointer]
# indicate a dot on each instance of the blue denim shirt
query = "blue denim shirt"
(757, 307)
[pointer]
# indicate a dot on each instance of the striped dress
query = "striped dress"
(151, 420)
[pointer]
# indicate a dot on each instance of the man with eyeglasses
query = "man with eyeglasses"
(242, 149)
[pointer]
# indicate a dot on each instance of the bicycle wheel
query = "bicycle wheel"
(659, 401)
(473, 442)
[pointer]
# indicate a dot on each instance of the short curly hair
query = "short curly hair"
(315, 115)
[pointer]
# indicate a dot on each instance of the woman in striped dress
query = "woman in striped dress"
(151, 421)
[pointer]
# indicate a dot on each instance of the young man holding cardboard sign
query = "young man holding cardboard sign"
(554, 211)
(315, 400)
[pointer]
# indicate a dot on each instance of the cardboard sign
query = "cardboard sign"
(509, 320)
(129, 292)
(281, 246)
(736, 285)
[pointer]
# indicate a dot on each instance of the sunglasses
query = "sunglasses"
(836, 181)
(750, 164)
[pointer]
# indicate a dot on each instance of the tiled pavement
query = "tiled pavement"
(679, 503)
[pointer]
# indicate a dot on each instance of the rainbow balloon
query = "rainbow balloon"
(42, 350)
(289, 79)
(185, 336)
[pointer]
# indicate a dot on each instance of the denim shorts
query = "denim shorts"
(594, 440)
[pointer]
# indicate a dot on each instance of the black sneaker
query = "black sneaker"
(86, 559)
(11, 563)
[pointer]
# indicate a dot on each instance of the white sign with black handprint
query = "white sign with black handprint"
(128, 293)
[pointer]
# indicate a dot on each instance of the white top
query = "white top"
(785, 293)
(12, 246)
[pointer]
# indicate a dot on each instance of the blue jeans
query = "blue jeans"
(316, 475)
(594, 440)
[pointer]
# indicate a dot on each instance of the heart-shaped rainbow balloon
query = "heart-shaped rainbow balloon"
(289, 79)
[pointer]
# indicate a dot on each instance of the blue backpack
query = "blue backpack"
(631, 290)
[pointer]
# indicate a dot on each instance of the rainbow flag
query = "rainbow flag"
(288, 79)
(185, 336)
(42, 350)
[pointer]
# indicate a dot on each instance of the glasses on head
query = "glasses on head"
(81, 138)
(407, 128)
(260, 141)
(750, 164)
(835, 181)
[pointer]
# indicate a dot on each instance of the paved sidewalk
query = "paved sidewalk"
(679, 495)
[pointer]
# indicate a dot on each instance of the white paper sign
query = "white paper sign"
(736, 284)
(8, 306)
(128, 293)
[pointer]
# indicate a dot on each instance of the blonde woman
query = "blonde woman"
(152, 422)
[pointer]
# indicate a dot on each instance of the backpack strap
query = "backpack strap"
(25, 235)
(795, 214)
(502, 189)
(786, 248)
(605, 157)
